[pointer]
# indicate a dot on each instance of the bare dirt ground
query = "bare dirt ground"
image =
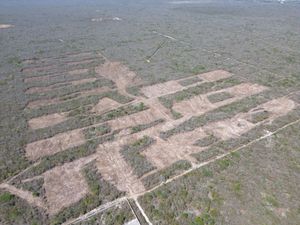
(65, 185)
(144, 117)
(87, 61)
(231, 128)
(119, 74)
(38, 89)
(238, 125)
(54, 144)
(42, 102)
(200, 104)
(161, 89)
(46, 121)
(173, 86)
(83, 81)
(104, 105)
(79, 71)
(277, 107)
(46, 68)
(5, 26)
(215, 75)
(114, 169)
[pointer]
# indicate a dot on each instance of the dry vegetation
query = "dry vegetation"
(92, 142)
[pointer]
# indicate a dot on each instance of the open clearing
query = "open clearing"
(185, 113)
(4, 26)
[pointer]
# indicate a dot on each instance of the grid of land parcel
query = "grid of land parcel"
(186, 113)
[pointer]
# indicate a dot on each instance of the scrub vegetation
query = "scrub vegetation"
(188, 111)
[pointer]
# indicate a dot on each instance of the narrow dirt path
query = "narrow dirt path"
(26, 195)
(142, 211)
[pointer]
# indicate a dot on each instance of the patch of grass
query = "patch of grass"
(207, 154)
(14, 210)
(290, 59)
(237, 187)
(235, 155)
(15, 61)
(176, 115)
(259, 116)
(206, 141)
(134, 90)
(138, 162)
(291, 81)
(219, 97)
(271, 201)
(6, 197)
(3, 82)
(118, 215)
(207, 172)
(166, 173)
(35, 186)
(142, 127)
(198, 69)
(96, 131)
(121, 111)
(204, 219)
(223, 163)
(190, 81)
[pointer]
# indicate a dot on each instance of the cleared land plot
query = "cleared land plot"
(175, 86)
(114, 168)
(200, 104)
(64, 186)
(104, 105)
(54, 144)
(161, 89)
(146, 116)
(119, 74)
(46, 102)
(46, 121)
(165, 152)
